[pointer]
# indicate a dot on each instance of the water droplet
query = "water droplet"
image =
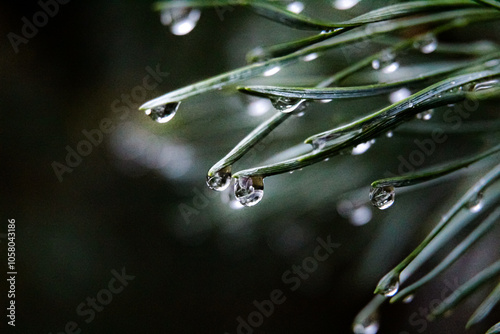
(425, 115)
(361, 148)
(272, 71)
(389, 134)
(310, 57)
(326, 101)
(391, 289)
(345, 4)
(220, 180)
(295, 7)
(485, 85)
(163, 114)
(249, 190)
(285, 104)
(181, 20)
(427, 44)
(399, 95)
(476, 204)
(327, 31)
(370, 325)
(382, 197)
(386, 63)
(408, 299)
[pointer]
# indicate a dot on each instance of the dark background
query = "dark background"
(121, 206)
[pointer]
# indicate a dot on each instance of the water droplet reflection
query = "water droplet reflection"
(382, 197)
(220, 180)
(249, 190)
(181, 20)
(163, 114)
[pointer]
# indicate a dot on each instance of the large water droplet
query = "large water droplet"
(181, 20)
(345, 4)
(427, 44)
(249, 190)
(285, 104)
(382, 197)
(425, 115)
(476, 203)
(163, 114)
(220, 180)
(369, 326)
(361, 148)
(295, 7)
(386, 63)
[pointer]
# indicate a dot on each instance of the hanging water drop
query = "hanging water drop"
(476, 204)
(386, 63)
(285, 104)
(249, 190)
(427, 44)
(181, 20)
(220, 180)
(295, 7)
(382, 197)
(389, 134)
(361, 148)
(163, 114)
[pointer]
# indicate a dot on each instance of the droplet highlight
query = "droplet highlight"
(476, 204)
(249, 190)
(220, 180)
(345, 4)
(425, 115)
(163, 114)
(295, 7)
(181, 20)
(382, 197)
(361, 148)
(272, 71)
(427, 44)
(386, 63)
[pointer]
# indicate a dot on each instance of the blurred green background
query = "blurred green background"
(138, 200)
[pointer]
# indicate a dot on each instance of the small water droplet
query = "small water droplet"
(370, 325)
(310, 57)
(249, 190)
(220, 180)
(382, 197)
(399, 95)
(163, 114)
(427, 44)
(285, 104)
(476, 204)
(295, 7)
(327, 31)
(408, 299)
(425, 115)
(326, 101)
(386, 63)
(361, 148)
(345, 4)
(389, 134)
(272, 71)
(181, 20)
